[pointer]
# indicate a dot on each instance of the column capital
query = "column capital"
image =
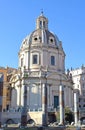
(76, 91)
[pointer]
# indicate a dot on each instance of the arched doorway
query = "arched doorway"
(82, 120)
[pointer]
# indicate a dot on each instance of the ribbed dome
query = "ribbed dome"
(41, 48)
(41, 35)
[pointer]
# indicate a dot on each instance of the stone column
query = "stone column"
(71, 96)
(29, 92)
(51, 101)
(20, 86)
(76, 106)
(49, 96)
(69, 92)
(65, 97)
(1, 96)
(44, 105)
(24, 110)
(61, 94)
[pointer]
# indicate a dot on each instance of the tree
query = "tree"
(68, 115)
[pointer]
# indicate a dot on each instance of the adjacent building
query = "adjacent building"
(7, 73)
(78, 76)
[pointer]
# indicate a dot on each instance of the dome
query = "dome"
(41, 35)
(39, 44)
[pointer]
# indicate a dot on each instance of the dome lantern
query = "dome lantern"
(42, 22)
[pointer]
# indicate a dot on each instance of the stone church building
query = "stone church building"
(41, 62)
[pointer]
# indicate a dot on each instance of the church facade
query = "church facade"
(41, 62)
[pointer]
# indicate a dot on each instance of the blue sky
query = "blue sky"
(66, 20)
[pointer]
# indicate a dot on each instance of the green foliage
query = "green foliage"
(68, 115)
(25, 75)
(67, 110)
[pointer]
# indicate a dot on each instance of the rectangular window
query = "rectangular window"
(52, 60)
(35, 60)
(21, 61)
(56, 101)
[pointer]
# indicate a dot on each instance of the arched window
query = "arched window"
(40, 24)
(44, 24)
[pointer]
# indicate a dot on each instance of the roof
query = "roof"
(41, 34)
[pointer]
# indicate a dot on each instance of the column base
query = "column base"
(23, 120)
